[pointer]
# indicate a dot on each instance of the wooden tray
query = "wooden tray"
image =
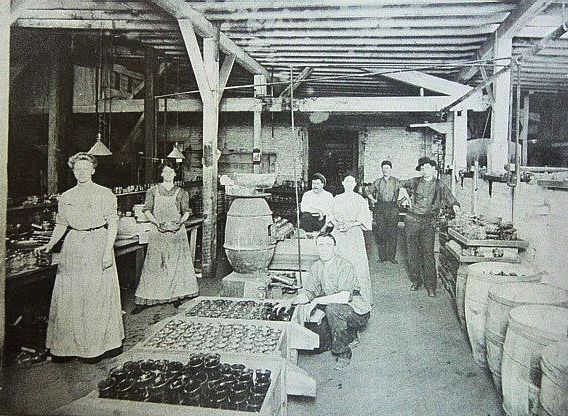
(275, 402)
(299, 337)
(475, 259)
(281, 349)
(522, 244)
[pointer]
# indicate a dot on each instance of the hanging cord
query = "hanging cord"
(296, 178)
(110, 86)
(165, 145)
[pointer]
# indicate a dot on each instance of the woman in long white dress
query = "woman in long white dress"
(168, 274)
(351, 215)
(85, 318)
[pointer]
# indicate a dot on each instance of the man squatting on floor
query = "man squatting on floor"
(333, 287)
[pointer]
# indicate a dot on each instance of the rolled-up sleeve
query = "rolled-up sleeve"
(312, 285)
(149, 202)
(183, 202)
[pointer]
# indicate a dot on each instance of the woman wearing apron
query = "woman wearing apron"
(85, 318)
(350, 217)
(168, 274)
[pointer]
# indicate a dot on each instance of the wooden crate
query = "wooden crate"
(275, 402)
(299, 337)
(281, 348)
(300, 383)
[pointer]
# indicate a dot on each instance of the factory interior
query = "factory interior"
(230, 207)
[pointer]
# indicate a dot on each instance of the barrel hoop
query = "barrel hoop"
(554, 374)
(531, 333)
(494, 337)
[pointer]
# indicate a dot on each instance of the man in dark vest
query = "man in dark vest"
(427, 196)
(384, 193)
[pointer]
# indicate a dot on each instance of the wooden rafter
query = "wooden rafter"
(181, 10)
(306, 72)
(518, 18)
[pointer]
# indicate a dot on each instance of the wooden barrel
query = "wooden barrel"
(461, 279)
(502, 299)
(480, 278)
(248, 245)
(531, 328)
(554, 383)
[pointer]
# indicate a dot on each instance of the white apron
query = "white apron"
(168, 272)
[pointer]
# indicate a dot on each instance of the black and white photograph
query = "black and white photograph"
(284, 208)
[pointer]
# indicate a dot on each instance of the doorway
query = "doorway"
(333, 151)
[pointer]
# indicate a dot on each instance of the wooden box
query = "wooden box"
(275, 402)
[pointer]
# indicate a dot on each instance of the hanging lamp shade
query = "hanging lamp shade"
(176, 153)
(99, 148)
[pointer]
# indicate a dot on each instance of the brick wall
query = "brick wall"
(236, 134)
(401, 147)
(540, 217)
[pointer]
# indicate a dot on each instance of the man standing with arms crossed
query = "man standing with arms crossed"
(384, 193)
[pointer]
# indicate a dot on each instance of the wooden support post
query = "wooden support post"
(150, 112)
(206, 71)
(59, 107)
(525, 130)
(498, 152)
(211, 156)
(4, 121)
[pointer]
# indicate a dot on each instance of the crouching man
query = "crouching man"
(333, 287)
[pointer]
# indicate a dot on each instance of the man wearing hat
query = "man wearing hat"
(383, 193)
(315, 205)
(427, 195)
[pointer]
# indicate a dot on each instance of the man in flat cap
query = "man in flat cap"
(315, 205)
(427, 196)
(384, 193)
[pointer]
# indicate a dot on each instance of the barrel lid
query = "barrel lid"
(517, 293)
(555, 361)
(544, 321)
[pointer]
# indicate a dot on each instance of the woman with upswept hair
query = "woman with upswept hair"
(85, 318)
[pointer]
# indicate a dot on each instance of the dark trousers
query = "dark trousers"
(343, 323)
(386, 221)
(420, 234)
(309, 222)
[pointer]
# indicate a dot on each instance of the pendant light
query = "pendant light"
(176, 154)
(99, 148)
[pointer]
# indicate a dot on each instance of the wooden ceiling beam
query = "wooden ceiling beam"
(361, 41)
(120, 25)
(518, 18)
(149, 16)
(300, 22)
(367, 48)
(360, 55)
(311, 12)
(182, 10)
(366, 33)
(329, 104)
(291, 4)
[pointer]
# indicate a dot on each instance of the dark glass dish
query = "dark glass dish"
(218, 385)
